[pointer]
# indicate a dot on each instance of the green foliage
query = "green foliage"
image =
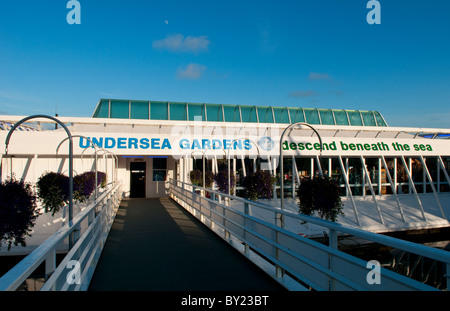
(17, 212)
(221, 179)
(258, 184)
(53, 191)
(320, 195)
(196, 177)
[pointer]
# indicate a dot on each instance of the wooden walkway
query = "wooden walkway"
(154, 244)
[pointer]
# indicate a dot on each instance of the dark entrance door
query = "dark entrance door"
(137, 179)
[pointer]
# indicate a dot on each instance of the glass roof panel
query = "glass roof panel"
(139, 109)
(248, 114)
(281, 115)
(265, 114)
(159, 111)
(178, 111)
(120, 109)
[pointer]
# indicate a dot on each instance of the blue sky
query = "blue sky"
(320, 54)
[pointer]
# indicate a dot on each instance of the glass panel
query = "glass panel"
(159, 169)
(248, 114)
(102, 110)
(326, 116)
(120, 109)
(312, 116)
(159, 163)
(341, 117)
(355, 117)
(369, 119)
(139, 110)
(177, 111)
(196, 110)
(281, 115)
(379, 118)
(214, 113)
(296, 115)
(265, 115)
(158, 111)
(231, 114)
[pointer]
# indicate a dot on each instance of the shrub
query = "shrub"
(196, 177)
(17, 212)
(53, 191)
(258, 184)
(221, 179)
(83, 186)
(101, 179)
(320, 195)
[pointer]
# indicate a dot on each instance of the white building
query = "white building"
(391, 178)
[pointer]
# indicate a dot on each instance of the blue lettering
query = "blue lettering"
(145, 143)
(166, 144)
(98, 142)
(217, 144)
(84, 145)
(226, 143)
(195, 144)
(121, 142)
(132, 143)
(184, 144)
(155, 143)
(247, 145)
(206, 144)
(110, 142)
(237, 143)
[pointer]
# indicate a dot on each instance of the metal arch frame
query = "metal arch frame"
(113, 157)
(281, 156)
(69, 134)
(95, 166)
(229, 164)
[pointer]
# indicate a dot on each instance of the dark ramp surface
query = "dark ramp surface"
(154, 244)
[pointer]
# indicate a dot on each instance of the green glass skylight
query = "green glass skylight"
(176, 111)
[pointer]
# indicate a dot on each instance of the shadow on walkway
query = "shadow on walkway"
(154, 244)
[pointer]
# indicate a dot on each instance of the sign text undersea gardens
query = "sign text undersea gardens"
(254, 146)
(262, 144)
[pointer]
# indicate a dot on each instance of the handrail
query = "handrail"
(334, 228)
(47, 250)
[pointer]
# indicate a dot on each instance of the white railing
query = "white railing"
(297, 262)
(89, 229)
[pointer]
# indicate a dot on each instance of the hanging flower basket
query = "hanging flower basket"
(258, 185)
(84, 185)
(196, 177)
(18, 212)
(53, 191)
(320, 195)
(221, 179)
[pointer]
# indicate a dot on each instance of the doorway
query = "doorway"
(137, 179)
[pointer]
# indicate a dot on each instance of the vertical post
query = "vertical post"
(349, 191)
(388, 174)
(447, 273)
(425, 168)
(1, 167)
(333, 243)
(246, 247)
(367, 175)
(414, 188)
(379, 176)
(50, 264)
